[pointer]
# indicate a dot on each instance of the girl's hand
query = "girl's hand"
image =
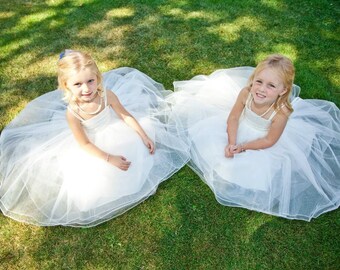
(149, 144)
(238, 149)
(119, 161)
(229, 150)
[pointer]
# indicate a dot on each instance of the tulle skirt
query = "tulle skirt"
(297, 178)
(47, 179)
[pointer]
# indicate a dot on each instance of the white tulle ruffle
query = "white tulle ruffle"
(47, 179)
(297, 178)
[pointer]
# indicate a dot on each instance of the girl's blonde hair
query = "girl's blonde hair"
(72, 62)
(285, 69)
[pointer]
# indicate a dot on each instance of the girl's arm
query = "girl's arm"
(233, 120)
(85, 144)
(276, 129)
(129, 120)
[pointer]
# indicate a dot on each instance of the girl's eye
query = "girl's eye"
(271, 85)
(91, 81)
(258, 81)
(77, 84)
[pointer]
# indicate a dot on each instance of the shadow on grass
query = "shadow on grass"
(297, 244)
(182, 226)
(212, 236)
(177, 40)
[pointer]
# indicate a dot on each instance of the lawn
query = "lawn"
(181, 226)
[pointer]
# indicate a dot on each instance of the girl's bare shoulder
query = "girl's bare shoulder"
(111, 97)
(244, 93)
(284, 111)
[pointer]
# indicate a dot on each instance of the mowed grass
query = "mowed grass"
(181, 226)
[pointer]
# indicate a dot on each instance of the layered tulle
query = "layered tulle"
(47, 179)
(297, 178)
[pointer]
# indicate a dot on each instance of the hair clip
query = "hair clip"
(66, 52)
(61, 55)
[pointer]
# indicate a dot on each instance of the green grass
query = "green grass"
(182, 226)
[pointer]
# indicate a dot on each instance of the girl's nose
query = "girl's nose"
(85, 87)
(262, 88)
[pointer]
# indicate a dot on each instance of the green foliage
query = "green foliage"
(182, 226)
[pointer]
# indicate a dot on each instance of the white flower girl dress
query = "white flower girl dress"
(47, 179)
(297, 178)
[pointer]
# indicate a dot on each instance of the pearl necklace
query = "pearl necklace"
(91, 113)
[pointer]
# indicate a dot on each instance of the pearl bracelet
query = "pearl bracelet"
(242, 148)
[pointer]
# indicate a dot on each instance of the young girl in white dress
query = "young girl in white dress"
(260, 146)
(86, 160)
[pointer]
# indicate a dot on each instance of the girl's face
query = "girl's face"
(267, 86)
(83, 85)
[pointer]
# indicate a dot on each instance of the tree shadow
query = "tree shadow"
(174, 40)
(300, 245)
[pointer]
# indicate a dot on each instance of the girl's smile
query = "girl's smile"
(267, 87)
